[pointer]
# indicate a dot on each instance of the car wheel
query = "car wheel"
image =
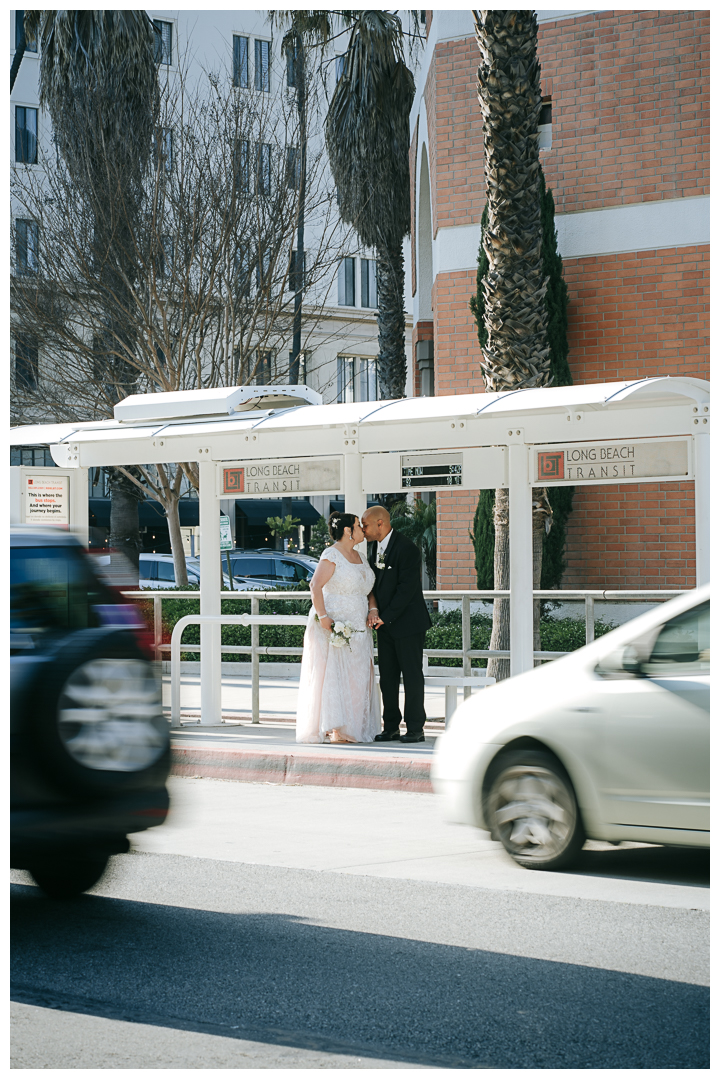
(98, 721)
(530, 807)
(61, 879)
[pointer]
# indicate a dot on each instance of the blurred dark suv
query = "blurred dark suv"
(89, 745)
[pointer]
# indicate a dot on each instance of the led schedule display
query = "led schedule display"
(431, 471)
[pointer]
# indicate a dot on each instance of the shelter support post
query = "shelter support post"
(702, 508)
(355, 501)
(521, 560)
(210, 585)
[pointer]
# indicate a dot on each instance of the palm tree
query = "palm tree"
(368, 139)
(99, 83)
(516, 353)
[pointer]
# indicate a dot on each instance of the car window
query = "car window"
(251, 566)
(51, 588)
(147, 568)
(287, 571)
(683, 645)
(165, 571)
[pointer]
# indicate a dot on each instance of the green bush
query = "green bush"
(556, 635)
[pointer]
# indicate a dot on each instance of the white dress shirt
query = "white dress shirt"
(382, 544)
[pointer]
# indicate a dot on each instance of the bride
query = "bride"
(338, 699)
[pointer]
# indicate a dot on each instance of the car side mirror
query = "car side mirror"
(621, 663)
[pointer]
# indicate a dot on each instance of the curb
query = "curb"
(258, 766)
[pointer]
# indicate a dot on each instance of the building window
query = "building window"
(292, 167)
(262, 65)
(262, 270)
(264, 168)
(30, 46)
(26, 127)
(263, 367)
(356, 378)
(242, 164)
(166, 256)
(26, 246)
(346, 283)
(368, 284)
(292, 63)
(26, 362)
(164, 148)
(240, 62)
(163, 42)
(31, 455)
(243, 270)
(545, 125)
(339, 68)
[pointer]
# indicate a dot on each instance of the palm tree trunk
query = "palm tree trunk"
(391, 360)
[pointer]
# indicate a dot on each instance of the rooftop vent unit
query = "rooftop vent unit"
(223, 401)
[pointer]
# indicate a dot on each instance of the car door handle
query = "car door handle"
(585, 708)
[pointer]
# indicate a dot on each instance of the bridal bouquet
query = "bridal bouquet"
(340, 634)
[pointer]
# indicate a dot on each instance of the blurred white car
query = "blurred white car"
(610, 743)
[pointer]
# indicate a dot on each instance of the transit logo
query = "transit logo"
(551, 465)
(234, 481)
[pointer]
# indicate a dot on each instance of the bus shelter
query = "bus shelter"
(270, 442)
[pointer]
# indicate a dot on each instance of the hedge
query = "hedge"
(556, 635)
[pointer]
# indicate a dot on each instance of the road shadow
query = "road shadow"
(663, 865)
(278, 979)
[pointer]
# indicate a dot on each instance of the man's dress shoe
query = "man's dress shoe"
(413, 736)
(387, 736)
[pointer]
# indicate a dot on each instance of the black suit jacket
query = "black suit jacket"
(398, 588)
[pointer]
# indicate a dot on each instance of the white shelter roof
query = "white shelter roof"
(389, 425)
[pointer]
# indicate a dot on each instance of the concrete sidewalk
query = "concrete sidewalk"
(267, 752)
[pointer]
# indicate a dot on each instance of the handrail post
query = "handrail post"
(589, 619)
(255, 660)
(175, 666)
(157, 625)
(466, 644)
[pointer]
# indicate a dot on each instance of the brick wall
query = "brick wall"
(630, 122)
(630, 107)
(631, 536)
(639, 314)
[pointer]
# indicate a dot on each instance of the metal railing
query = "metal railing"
(467, 654)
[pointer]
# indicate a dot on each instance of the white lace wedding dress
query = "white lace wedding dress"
(338, 691)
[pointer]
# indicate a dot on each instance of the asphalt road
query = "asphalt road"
(241, 958)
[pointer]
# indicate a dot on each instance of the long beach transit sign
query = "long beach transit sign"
(281, 476)
(612, 462)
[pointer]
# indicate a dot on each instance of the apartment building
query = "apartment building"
(340, 346)
(624, 147)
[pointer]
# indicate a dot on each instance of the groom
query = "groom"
(401, 622)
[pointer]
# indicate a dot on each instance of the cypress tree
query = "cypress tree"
(482, 533)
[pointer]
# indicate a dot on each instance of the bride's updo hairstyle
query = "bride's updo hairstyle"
(339, 523)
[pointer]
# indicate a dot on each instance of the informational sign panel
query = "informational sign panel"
(431, 471)
(284, 476)
(612, 463)
(226, 540)
(47, 500)
(474, 467)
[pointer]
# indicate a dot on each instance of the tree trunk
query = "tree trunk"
(391, 360)
(172, 513)
(299, 283)
(500, 637)
(125, 538)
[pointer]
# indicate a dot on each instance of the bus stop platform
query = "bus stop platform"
(266, 753)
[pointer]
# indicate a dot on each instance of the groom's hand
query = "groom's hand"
(378, 622)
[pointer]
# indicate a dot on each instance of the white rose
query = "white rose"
(337, 642)
(347, 631)
(338, 627)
